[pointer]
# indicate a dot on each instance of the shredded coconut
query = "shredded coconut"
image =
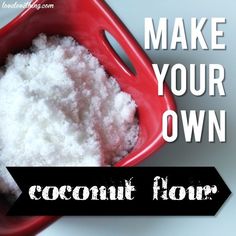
(58, 107)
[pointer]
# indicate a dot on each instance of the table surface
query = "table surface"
(179, 153)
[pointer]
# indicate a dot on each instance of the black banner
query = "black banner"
(118, 191)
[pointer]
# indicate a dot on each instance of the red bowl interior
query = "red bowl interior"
(86, 21)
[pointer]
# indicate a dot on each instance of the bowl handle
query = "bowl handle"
(113, 25)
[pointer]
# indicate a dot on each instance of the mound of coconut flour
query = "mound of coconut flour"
(58, 107)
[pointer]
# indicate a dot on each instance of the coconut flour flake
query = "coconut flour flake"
(58, 107)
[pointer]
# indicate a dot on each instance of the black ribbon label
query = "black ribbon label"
(118, 191)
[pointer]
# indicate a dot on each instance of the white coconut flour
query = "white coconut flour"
(58, 107)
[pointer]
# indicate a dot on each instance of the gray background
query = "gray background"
(220, 155)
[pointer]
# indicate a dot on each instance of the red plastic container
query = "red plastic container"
(86, 21)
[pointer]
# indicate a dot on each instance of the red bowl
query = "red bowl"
(87, 21)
